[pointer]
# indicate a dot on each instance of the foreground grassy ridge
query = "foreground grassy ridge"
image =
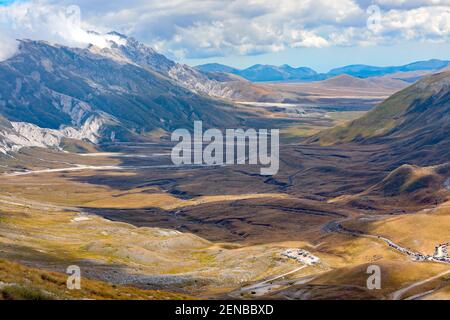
(33, 218)
(18, 282)
(158, 251)
(70, 237)
(39, 223)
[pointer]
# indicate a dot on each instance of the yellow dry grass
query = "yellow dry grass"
(420, 232)
(32, 217)
(168, 202)
(350, 257)
(64, 237)
(25, 283)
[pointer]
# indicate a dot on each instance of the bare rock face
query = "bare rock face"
(198, 82)
(76, 109)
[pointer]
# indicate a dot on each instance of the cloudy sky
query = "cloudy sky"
(318, 33)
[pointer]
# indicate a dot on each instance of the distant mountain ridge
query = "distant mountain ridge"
(265, 73)
(366, 71)
(272, 73)
(262, 73)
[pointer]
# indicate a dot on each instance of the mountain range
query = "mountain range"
(264, 73)
(50, 91)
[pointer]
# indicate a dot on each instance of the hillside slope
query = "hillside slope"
(401, 114)
(415, 122)
(20, 282)
(370, 84)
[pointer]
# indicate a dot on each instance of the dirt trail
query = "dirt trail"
(259, 284)
(399, 293)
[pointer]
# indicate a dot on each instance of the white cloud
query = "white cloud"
(8, 47)
(42, 21)
(410, 4)
(307, 39)
(432, 23)
(208, 28)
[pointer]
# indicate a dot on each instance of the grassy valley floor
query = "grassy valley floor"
(191, 232)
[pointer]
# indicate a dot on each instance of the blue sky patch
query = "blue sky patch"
(5, 2)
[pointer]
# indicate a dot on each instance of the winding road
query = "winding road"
(335, 226)
(266, 286)
(397, 295)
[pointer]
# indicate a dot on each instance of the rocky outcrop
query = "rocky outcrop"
(22, 134)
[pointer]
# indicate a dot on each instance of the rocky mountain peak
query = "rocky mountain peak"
(129, 50)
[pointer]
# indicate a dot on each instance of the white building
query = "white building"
(441, 251)
(301, 256)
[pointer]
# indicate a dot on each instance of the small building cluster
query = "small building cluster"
(301, 256)
(441, 251)
(440, 254)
